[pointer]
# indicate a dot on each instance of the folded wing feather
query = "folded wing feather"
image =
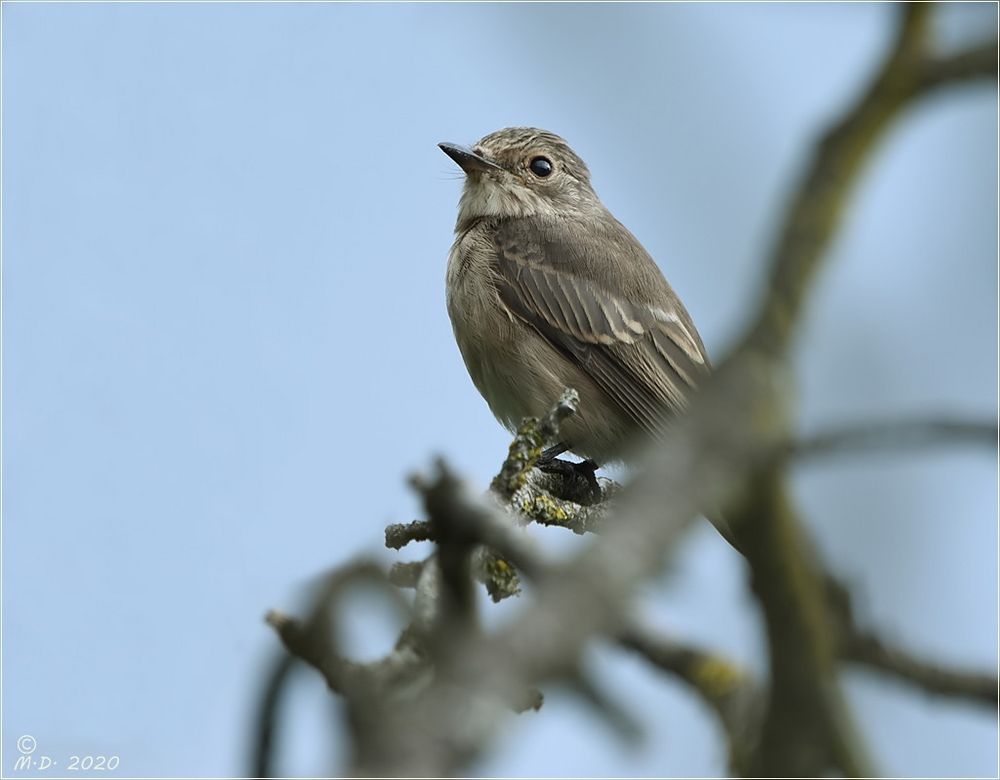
(645, 356)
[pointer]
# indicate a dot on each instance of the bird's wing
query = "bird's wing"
(641, 349)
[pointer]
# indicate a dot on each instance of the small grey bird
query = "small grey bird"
(547, 290)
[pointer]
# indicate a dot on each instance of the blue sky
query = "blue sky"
(225, 344)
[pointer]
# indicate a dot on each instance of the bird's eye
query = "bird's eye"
(540, 166)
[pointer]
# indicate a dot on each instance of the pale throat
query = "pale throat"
(491, 199)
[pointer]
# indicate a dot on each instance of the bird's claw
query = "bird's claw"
(580, 478)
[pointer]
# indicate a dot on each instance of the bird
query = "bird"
(547, 290)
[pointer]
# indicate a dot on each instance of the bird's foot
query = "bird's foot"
(579, 478)
(550, 454)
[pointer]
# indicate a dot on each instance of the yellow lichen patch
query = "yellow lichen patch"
(501, 566)
(522, 455)
(548, 509)
(716, 677)
(501, 578)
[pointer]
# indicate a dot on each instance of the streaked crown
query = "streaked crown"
(515, 147)
(523, 172)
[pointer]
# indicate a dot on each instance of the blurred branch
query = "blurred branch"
(807, 730)
(866, 649)
(454, 553)
(574, 601)
(544, 498)
(733, 695)
(820, 201)
(480, 519)
(315, 640)
(267, 722)
(406, 574)
(620, 720)
(725, 687)
(879, 436)
(398, 535)
(974, 64)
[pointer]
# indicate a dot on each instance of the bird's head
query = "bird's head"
(521, 172)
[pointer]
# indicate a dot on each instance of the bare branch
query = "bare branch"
(527, 446)
(807, 730)
(868, 650)
(398, 535)
(587, 689)
(433, 735)
(267, 721)
(542, 498)
(820, 201)
(316, 639)
(480, 520)
(978, 63)
(406, 574)
(734, 696)
(454, 553)
(863, 647)
(879, 436)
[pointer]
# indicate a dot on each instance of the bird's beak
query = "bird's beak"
(468, 160)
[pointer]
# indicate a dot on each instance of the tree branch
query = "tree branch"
(880, 436)
(733, 695)
(978, 63)
(868, 650)
(864, 647)
(819, 203)
(267, 722)
(807, 730)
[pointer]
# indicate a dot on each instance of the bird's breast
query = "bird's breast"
(517, 372)
(492, 343)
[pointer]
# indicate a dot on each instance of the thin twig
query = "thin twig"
(881, 436)
(975, 64)
(398, 535)
(268, 720)
(868, 650)
(731, 692)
